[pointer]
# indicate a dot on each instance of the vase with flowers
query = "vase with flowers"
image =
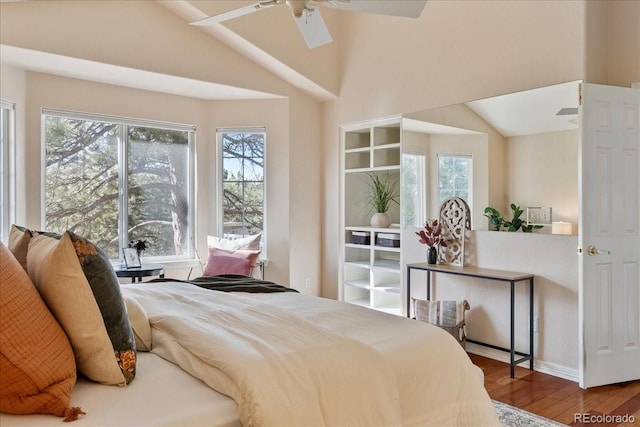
(432, 235)
(138, 245)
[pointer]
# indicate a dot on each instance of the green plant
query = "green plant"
(382, 192)
(516, 223)
(495, 218)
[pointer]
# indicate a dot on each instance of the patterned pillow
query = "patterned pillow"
(36, 360)
(79, 285)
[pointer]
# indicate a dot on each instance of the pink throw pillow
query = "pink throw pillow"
(221, 261)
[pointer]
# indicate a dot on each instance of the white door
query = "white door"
(609, 237)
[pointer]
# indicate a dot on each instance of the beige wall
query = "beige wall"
(542, 170)
(143, 35)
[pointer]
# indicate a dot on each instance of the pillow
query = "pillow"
(37, 367)
(79, 285)
(221, 261)
(249, 242)
(19, 243)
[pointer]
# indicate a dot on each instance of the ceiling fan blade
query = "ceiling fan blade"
(403, 8)
(313, 29)
(235, 13)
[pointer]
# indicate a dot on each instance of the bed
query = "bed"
(229, 351)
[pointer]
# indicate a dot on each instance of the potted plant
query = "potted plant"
(516, 223)
(432, 235)
(382, 193)
(495, 218)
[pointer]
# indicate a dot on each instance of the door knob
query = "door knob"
(592, 250)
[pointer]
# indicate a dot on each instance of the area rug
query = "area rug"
(510, 416)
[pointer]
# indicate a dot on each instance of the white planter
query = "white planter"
(381, 220)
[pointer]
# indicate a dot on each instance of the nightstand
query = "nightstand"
(137, 273)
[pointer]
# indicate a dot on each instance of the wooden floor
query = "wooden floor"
(558, 399)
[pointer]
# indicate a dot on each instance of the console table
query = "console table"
(488, 274)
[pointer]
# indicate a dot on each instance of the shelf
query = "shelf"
(387, 146)
(386, 248)
(360, 264)
(387, 264)
(371, 275)
(373, 169)
(394, 228)
(391, 289)
(363, 284)
(357, 150)
(357, 246)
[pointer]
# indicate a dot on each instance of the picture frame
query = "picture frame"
(131, 258)
(539, 215)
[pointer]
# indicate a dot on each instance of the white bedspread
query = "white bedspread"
(293, 360)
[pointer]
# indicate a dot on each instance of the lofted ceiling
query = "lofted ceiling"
(271, 39)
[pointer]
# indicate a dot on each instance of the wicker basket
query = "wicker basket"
(448, 315)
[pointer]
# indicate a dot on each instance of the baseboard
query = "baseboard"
(538, 365)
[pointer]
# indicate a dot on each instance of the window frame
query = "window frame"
(467, 156)
(421, 200)
(219, 226)
(7, 167)
(123, 148)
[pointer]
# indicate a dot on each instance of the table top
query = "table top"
(473, 271)
(143, 270)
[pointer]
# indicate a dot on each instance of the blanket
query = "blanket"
(232, 283)
(292, 360)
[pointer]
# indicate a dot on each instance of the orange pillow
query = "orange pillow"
(37, 365)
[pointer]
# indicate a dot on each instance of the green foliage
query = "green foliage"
(497, 222)
(82, 191)
(382, 192)
(243, 180)
(495, 218)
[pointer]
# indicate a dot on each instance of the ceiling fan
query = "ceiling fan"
(310, 22)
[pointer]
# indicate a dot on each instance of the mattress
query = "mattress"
(161, 395)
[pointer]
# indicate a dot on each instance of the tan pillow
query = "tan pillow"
(37, 367)
(19, 243)
(78, 283)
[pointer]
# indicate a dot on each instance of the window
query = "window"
(6, 165)
(242, 182)
(114, 180)
(454, 177)
(413, 189)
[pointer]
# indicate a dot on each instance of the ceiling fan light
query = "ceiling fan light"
(297, 7)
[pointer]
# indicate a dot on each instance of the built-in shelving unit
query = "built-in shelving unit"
(370, 257)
